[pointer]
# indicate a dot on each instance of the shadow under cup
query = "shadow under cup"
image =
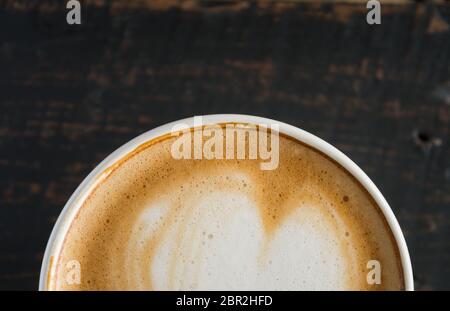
(289, 135)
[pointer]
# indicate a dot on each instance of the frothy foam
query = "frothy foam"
(163, 224)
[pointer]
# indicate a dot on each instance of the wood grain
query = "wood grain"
(70, 95)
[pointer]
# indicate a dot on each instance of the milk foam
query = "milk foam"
(161, 224)
(221, 244)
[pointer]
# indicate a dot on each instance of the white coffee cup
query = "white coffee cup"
(73, 205)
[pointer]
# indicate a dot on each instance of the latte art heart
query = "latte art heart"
(227, 248)
(156, 223)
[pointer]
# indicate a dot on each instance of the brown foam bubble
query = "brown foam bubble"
(102, 232)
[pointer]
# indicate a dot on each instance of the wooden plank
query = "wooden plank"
(71, 95)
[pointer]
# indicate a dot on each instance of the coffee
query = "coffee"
(158, 223)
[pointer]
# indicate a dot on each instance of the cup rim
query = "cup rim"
(75, 201)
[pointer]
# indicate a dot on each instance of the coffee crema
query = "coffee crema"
(157, 223)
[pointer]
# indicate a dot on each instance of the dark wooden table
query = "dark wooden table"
(70, 95)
